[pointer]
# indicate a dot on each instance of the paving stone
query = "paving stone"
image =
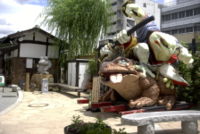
(53, 118)
(6, 100)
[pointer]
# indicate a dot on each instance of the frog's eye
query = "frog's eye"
(123, 62)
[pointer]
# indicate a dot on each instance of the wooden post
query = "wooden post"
(96, 89)
(27, 82)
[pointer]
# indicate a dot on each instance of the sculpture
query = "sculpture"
(43, 65)
(155, 51)
(126, 78)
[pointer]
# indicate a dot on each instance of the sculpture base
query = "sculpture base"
(36, 80)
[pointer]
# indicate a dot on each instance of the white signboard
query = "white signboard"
(29, 63)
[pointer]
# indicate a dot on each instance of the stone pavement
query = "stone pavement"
(7, 98)
(49, 113)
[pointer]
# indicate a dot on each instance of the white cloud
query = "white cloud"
(170, 2)
(17, 16)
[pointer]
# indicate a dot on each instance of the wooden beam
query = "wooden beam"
(33, 36)
(47, 46)
(95, 89)
(77, 73)
(35, 42)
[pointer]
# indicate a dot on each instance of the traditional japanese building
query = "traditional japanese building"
(21, 51)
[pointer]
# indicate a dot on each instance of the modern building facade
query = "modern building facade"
(182, 19)
(119, 21)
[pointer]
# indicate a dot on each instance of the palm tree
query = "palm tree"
(78, 23)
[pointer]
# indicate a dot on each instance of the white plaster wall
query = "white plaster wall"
(28, 36)
(71, 78)
(83, 75)
(51, 41)
(40, 37)
(32, 50)
(53, 51)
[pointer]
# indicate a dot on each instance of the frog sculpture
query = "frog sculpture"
(126, 78)
(152, 79)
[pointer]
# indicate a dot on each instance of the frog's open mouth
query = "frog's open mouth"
(115, 77)
(115, 70)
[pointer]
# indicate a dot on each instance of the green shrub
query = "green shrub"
(99, 127)
(92, 67)
(192, 75)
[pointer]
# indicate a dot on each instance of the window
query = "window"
(197, 11)
(130, 23)
(169, 32)
(174, 31)
(113, 23)
(182, 14)
(189, 13)
(144, 5)
(166, 17)
(197, 28)
(189, 29)
(119, 13)
(182, 30)
(119, 23)
(111, 34)
(162, 17)
(174, 15)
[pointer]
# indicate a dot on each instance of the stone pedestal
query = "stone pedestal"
(36, 80)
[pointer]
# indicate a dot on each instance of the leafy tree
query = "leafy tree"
(78, 23)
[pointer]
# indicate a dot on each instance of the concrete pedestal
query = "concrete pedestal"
(36, 80)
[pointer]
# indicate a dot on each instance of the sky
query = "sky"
(159, 1)
(19, 15)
